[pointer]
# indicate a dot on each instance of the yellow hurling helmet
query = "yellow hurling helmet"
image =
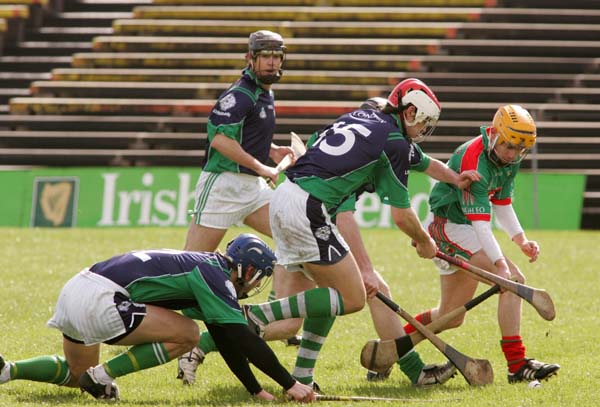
(515, 126)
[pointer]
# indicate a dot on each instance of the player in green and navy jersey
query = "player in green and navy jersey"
(386, 322)
(462, 227)
(232, 188)
(365, 150)
(131, 299)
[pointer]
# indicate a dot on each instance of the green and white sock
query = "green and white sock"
(47, 369)
(138, 357)
(411, 365)
(315, 331)
(314, 303)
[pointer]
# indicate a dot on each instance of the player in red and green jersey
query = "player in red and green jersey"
(462, 227)
(131, 299)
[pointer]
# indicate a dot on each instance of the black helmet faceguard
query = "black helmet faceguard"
(266, 42)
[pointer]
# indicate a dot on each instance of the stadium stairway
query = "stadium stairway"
(139, 77)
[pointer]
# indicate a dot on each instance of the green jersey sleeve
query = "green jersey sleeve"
(212, 302)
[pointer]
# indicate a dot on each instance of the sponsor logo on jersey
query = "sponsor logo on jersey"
(366, 115)
(474, 210)
(262, 114)
(220, 113)
(227, 102)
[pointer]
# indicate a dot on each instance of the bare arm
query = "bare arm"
(234, 151)
(407, 221)
(276, 153)
(351, 233)
(440, 171)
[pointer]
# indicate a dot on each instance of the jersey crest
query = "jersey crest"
(227, 102)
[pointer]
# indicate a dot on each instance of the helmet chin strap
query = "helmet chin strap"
(496, 159)
(266, 79)
(270, 79)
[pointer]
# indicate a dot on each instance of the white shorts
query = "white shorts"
(302, 230)
(86, 310)
(459, 240)
(226, 199)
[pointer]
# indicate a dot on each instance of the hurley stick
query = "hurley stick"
(539, 299)
(476, 372)
(379, 356)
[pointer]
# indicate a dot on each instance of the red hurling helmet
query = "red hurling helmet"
(414, 92)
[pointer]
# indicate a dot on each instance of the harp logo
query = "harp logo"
(54, 201)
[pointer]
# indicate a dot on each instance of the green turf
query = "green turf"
(36, 262)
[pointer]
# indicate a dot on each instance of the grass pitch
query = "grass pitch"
(35, 263)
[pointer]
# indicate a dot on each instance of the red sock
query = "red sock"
(423, 317)
(514, 352)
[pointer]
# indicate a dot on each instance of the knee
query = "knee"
(190, 336)
(455, 322)
(354, 304)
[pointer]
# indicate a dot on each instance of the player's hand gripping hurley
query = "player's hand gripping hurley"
(299, 150)
(477, 372)
(540, 299)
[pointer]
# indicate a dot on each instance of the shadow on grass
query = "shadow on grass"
(216, 395)
(52, 394)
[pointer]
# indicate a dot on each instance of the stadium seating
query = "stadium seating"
(15, 17)
(138, 77)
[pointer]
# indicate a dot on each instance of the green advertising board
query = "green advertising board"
(116, 197)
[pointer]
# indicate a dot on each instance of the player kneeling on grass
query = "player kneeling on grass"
(130, 300)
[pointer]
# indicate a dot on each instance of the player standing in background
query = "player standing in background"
(129, 300)
(365, 150)
(232, 188)
(462, 227)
